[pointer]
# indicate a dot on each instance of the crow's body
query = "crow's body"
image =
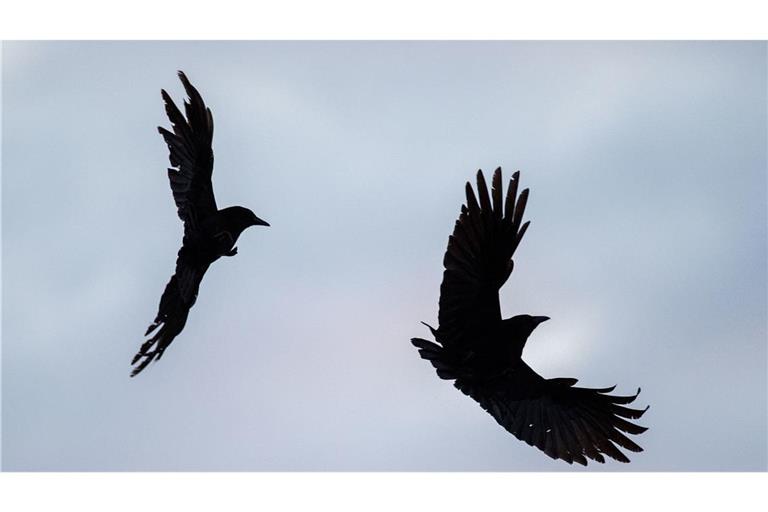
(482, 352)
(209, 233)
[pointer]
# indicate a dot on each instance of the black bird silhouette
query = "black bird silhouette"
(483, 352)
(209, 233)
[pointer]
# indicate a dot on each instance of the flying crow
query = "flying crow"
(209, 233)
(482, 352)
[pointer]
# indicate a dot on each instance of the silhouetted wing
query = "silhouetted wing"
(191, 156)
(177, 299)
(563, 421)
(478, 260)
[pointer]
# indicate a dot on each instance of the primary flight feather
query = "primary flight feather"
(482, 352)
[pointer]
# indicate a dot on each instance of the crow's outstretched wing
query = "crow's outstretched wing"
(565, 422)
(191, 156)
(177, 299)
(478, 260)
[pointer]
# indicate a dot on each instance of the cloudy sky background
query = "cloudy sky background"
(647, 164)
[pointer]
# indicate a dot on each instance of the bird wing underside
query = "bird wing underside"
(565, 422)
(178, 298)
(478, 260)
(191, 156)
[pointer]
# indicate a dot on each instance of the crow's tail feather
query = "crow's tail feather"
(446, 366)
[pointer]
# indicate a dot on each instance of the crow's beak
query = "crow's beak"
(258, 222)
(540, 319)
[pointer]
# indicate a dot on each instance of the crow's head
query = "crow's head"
(243, 218)
(521, 326)
(253, 220)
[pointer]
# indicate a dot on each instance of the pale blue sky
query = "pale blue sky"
(647, 164)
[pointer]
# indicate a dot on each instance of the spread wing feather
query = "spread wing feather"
(478, 260)
(178, 298)
(191, 155)
(565, 422)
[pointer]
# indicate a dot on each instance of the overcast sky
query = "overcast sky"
(647, 247)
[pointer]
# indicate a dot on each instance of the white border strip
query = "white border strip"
(392, 19)
(382, 491)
